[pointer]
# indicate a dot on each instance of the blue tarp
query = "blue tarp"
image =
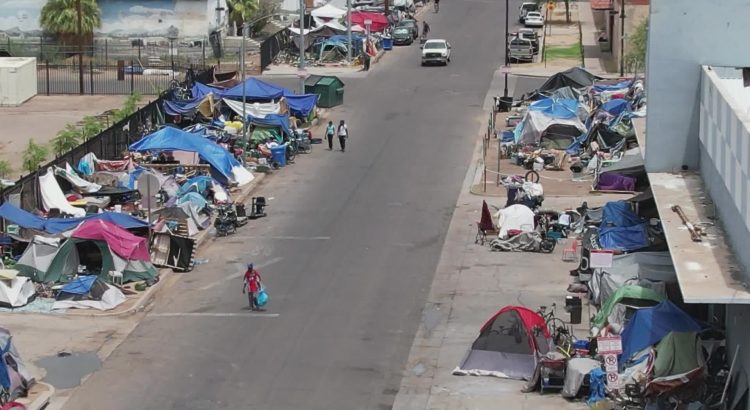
(556, 108)
(272, 120)
(57, 225)
(624, 238)
(185, 107)
(173, 139)
(80, 285)
(198, 183)
(649, 325)
(618, 213)
(258, 90)
(613, 87)
(615, 106)
(194, 198)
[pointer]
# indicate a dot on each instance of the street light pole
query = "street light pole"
(622, 38)
(301, 47)
(505, 74)
(80, 46)
(349, 31)
(244, 93)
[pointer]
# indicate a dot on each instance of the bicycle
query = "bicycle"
(292, 149)
(562, 336)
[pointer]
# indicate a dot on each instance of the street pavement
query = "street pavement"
(348, 252)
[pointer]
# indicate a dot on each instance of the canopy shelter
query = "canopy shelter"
(379, 21)
(329, 11)
(649, 325)
(173, 139)
(28, 220)
(120, 241)
(575, 77)
(88, 292)
(509, 345)
(255, 90)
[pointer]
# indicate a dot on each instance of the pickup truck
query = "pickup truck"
(520, 50)
(436, 51)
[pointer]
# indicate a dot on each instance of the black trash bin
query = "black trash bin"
(574, 306)
(504, 104)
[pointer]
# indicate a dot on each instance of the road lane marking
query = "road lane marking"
(208, 314)
(239, 274)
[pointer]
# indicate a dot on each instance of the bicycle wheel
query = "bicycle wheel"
(532, 176)
(555, 324)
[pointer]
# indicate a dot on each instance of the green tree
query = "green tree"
(90, 128)
(635, 58)
(241, 11)
(265, 8)
(61, 17)
(33, 156)
(67, 139)
(5, 168)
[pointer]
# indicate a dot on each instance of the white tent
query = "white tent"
(517, 216)
(536, 123)
(78, 183)
(15, 291)
(328, 11)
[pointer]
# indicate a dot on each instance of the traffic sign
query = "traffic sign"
(302, 73)
(505, 69)
(613, 380)
(551, 5)
(609, 344)
(610, 363)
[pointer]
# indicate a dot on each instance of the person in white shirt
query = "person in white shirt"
(343, 135)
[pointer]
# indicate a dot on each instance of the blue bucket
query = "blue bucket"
(278, 155)
(387, 43)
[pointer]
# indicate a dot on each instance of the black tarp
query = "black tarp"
(575, 77)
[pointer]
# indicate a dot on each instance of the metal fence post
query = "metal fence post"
(203, 46)
(132, 79)
(46, 69)
(91, 77)
(106, 50)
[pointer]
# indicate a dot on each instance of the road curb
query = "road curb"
(150, 293)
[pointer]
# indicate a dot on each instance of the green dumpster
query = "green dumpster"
(330, 89)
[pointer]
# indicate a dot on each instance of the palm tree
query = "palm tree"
(5, 168)
(91, 127)
(241, 11)
(60, 17)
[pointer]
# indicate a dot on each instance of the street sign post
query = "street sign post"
(600, 258)
(505, 69)
(609, 347)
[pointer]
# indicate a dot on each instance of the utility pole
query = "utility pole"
(349, 31)
(80, 46)
(622, 38)
(301, 47)
(386, 9)
(505, 74)
(245, 27)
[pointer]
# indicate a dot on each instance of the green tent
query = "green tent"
(635, 295)
(48, 261)
(676, 354)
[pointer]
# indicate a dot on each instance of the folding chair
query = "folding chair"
(485, 226)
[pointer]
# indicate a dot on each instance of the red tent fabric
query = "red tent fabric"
(529, 317)
(122, 242)
(379, 21)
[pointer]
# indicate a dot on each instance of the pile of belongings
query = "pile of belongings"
(15, 378)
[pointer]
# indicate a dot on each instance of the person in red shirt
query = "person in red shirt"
(252, 286)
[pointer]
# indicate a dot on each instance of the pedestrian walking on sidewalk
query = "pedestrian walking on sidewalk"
(252, 285)
(343, 135)
(330, 132)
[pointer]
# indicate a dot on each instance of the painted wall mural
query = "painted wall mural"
(122, 18)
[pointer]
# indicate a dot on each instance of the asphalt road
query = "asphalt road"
(348, 252)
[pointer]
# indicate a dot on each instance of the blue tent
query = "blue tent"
(618, 213)
(173, 139)
(301, 105)
(80, 285)
(627, 239)
(649, 325)
(272, 120)
(201, 90)
(184, 107)
(57, 225)
(616, 106)
(556, 108)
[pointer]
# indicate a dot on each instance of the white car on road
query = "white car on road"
(534, 19)
(436, 51)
